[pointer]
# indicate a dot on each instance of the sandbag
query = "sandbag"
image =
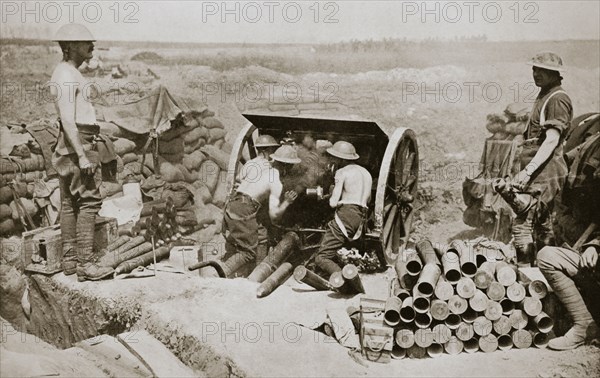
(202, 194)
(515, 111)
(189, 148)
(110, 129)
(175, 158)
(129, 158)
(220, 194)
(186, 218)
(195, 134)
(226, 147)
(501, 135)
(5, 195)
(216, 155)
(7, 227)
(123, 146)
(173, 146)
(219, 143)
(190, 119)
(133, 168)
(212, 123)
(180, 195)
(33, 163)
(189, 176)
(193, 160)
(215, 212)
(108, 189)
(170, 173)
(29, 205)
(5, 212)
(209, 174)
(174, 132)
(515, 128)
(495, 123)
(216, 134)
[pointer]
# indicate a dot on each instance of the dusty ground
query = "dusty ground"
(208, 320)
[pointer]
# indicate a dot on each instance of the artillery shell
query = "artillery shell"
(303, 275)
(275, 280)
(350, 274)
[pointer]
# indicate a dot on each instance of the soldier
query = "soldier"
(544, 169)
(260, 185)
(575, 263)
(349, 197)
(78, 155)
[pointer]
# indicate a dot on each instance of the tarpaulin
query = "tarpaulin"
(140, 112)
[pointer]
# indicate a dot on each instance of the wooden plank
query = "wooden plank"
(154, 355)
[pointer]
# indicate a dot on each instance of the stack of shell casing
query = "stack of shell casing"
(451, 299)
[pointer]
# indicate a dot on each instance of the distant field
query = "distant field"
(347, 57)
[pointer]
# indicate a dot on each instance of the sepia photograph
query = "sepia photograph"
(309, 188)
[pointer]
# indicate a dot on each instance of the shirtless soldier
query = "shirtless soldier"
(260, 185)
(349, 197)
(79, 150)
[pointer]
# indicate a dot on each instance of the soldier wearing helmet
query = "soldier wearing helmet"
(350, 195)
(543, 166)
(260, 184)
(78, 153)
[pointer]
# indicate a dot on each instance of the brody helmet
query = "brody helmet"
(549, 61)
(266, 141)
(73, 32)
(286, 154)
(343, 150)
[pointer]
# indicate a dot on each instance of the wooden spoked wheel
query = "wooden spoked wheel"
(241, 152)
(396, 192)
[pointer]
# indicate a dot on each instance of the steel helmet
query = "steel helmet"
(266, 141)
(343, 150)
(73, 32)
(286, 154)
(547, 60)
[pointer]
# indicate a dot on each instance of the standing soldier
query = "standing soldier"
(544, 169)
(260, 185)
(349, 197)
(77, 155)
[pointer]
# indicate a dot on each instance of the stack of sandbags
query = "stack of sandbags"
(23, 170)
(510, 125)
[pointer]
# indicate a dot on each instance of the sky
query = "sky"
(304, 21)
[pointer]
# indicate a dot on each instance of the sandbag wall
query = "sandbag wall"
(192, 164)
(23, 171)
(455, 299)
(192, 158)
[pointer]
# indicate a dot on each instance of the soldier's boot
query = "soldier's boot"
(584, 327)
(87, 269)
(576, 336)
(69, 258)
(524, 255)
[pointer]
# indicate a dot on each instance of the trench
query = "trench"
(63, 316)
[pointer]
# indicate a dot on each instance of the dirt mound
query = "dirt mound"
(147, 56)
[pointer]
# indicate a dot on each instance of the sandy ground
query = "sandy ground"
(218, 326)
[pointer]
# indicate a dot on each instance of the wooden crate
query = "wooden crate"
(376, 337)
